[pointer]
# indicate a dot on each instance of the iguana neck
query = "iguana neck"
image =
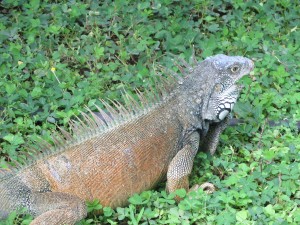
(189, 107)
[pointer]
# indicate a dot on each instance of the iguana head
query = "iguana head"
(224, 91)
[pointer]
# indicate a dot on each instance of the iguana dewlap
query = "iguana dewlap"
(131, 149)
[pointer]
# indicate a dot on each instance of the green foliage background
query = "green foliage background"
(58, 56)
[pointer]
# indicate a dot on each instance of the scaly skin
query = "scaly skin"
(111, 164)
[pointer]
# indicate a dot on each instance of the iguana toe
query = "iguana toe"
(207, 187)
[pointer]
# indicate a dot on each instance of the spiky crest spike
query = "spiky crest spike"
(57, 139)
(169, 72)
(171, 81)
(141, 97)
(6, 173)
(122, 110)
(15, 162)
(27, 153)
(180, 68)
(167, 84)
(160, 88)
(96, 118)
(66, 134)
(129, 106)
(87, 119)
(154, 95)
(81, 124)
(106, 118)
(182, 61)
(110, 109)
(6, 170)
(136, 106)
(43, 144)
(194, 60)
(75, 127)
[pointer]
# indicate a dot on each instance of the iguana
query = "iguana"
(130, 149)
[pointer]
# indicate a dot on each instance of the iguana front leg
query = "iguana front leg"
(182, 164)
(53, 208)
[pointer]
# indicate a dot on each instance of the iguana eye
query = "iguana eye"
(234, 69)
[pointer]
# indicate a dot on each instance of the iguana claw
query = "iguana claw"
(207, 187)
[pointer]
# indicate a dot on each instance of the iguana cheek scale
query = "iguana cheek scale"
(112, 156)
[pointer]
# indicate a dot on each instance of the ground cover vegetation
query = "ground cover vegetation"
(58, 56)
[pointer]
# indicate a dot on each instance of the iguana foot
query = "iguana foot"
(207, 187)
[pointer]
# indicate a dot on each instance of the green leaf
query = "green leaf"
(36, 92)
(10, 88)
(34, 4)
(54, 29)
(242, 215)
(269, 210)
(107, 211)
(269, 154)
(181, 192)
(14, 139)
(93, 205)
(99, 52)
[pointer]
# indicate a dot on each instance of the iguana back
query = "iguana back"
(112, 158)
